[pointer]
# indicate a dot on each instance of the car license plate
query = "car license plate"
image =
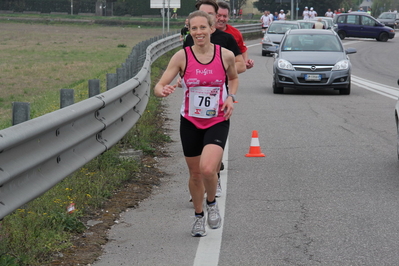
(312, 77)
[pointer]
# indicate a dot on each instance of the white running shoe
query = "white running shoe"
(214, 219)
(198, 226)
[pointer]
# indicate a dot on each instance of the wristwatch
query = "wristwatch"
(233, 96)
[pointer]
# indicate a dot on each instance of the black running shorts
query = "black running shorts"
(194, 139)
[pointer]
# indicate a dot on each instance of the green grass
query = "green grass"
(67, 57)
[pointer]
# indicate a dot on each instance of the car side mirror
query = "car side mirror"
(350, 51)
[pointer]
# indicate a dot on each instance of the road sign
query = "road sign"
(165, 4)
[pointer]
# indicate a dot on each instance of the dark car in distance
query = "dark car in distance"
(362, 25)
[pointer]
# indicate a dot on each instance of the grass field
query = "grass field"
(37, 60)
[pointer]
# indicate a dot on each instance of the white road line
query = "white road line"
(388, 91)
(252, 45)
(208, 250)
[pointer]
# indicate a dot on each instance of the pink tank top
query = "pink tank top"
(205, 89)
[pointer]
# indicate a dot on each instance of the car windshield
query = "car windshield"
(281, 28)
(387, 16)
(306, 25)
(311, 42)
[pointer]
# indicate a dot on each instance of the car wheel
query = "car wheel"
(264, 53)
(345, 91)
(341, 34)
(277, 90)
(383, 37)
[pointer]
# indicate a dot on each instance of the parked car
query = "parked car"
(311, 58)
(275, 33)
(308, 24)
(390, 19)
(362, 25)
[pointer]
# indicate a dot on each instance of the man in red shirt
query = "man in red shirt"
(222, 18)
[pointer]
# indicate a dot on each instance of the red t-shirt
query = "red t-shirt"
(237, 36)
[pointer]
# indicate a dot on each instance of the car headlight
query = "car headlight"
(284, 64)
(341, 65)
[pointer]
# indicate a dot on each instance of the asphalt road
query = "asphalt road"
(327, 192)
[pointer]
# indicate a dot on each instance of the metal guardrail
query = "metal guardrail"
(37, 154)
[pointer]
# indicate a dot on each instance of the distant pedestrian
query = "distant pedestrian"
(275, 17)
(266, 19)
(184, 31)
(329, 13)
(312, 13)
(281, 16)
(305, 13)
(174, 14)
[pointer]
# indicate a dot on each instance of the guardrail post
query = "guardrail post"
(120, 75)
(94, 87)
(112, 81)
(20, 112)
(67, 97)
(135, 62)
(142, 54)
(129, 61)
(128, 65)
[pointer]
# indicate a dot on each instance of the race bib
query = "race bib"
(204, 102)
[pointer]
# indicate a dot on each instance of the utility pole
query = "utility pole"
(168, 13)
(163, 17)
(71, 7)
(292, 9)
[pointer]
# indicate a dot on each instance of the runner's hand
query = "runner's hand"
(167, 90)
(249, 64)
(228, 107)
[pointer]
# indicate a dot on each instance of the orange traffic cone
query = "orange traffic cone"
(254, 149)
